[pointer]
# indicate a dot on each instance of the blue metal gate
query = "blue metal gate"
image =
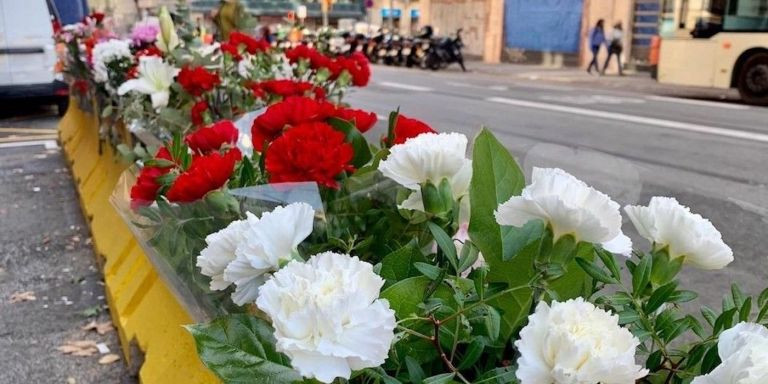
(543, 25)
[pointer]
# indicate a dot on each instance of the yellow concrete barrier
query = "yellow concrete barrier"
(143, 309)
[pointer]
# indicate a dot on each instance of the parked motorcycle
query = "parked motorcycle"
(445, 52)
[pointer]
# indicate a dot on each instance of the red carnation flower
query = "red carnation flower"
(316, 59)
(406, 128)
(232, 50)
(205, 174)
(289, 112)
(363, 120)
(197, 80)
(144, 192)
(81, 86)
(283, 88)
(309, 152)
(149, 51)
(197, 112)
(357, 66)
(252, 45)
(213, 137)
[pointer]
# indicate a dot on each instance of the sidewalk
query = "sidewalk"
(639, 82)
(54, 323)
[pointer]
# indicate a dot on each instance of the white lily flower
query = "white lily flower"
(154, 79)
(328, 316)
(667, 223)
(167, 39)
(743, 351)
(575, 342)
(570, 207)
(269, 242)
(429, 157)
(220, 251)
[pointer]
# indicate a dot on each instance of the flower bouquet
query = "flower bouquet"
(411, 262)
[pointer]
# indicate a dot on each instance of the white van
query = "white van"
(27, 52)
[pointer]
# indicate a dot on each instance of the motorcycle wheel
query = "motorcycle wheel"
(432, 62)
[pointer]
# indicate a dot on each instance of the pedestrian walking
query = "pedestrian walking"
(615, 47)
(596, 40)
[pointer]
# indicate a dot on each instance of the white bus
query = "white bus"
(727, 47)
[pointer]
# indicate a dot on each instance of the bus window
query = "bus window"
(746, 15)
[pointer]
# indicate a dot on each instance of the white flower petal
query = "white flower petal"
(667, 223)
(327, 315)
(576, 342)
(220, 251)
(569, 207)
(430, 157)
(743, 350)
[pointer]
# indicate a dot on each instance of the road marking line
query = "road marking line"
(27, 130)
(703, 103)
(382, 117)
(635, 119)
(409, 87)
(15, 138)
(48, 144)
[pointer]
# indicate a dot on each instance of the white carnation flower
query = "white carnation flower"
(575, 342)
(327, 315)
(569, 206)
(743, 351)
(667, 223)
(429, 157)
(220, 250)
(106, 52)
(155, 79)
(269, 242)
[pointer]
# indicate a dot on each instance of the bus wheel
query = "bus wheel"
(753, 80)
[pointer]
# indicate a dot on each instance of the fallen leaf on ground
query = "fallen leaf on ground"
(23, 296)
(109, 359)
(100, 328)
(79, 348)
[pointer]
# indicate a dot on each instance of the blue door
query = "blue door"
(543, 25)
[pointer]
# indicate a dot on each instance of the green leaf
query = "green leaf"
(610, 262)
(519, 238)
(709, 315)
(659, 297)
(468, 257)
(399, 265)
(391, 123)
(738, 295)
(472, 354)
(492, 321)
(746, 309)
(445, 243)
(628, 316)
(495, 178)
(642, 275)
(762, 299)
(440, 379)
(415, 373)
(428, 270)
(724, 321)
(356, 139)
(405, 296)
(682, 296)
(595, 272)
(711, 360)
(654, 361)
(241, 348)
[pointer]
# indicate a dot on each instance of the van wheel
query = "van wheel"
(753, 80)
(61, 105)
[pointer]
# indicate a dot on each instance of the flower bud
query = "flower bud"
(222, 202)
(167, 39)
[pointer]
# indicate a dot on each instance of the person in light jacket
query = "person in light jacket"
(615, 46)
(596, 40)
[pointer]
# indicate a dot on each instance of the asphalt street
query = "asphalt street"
(51, 286)
(631, 144)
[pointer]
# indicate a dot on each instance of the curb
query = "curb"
(143, 309)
